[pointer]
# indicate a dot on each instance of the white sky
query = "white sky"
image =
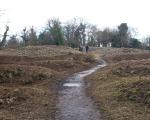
(104, 13)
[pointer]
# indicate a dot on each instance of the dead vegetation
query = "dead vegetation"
(38, 51)
(121, 90)
(138, 91)
(24, 74)
(30, 77)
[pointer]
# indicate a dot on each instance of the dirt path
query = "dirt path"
(73, 103)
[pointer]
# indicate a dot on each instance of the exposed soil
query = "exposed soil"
(30, 77)
(121, 90)
(30, 80)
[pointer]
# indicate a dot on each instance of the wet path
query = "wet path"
(73, 102)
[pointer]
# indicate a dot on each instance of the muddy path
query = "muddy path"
(73, 103)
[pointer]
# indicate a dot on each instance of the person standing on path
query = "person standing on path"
(87, 48)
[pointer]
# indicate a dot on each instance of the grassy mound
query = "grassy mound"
(23, 74)
(131, 68)
(30, 76)
(138, 91)
(38, 51)
(121, 90)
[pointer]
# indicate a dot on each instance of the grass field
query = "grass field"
(29, 79)
(122, 89)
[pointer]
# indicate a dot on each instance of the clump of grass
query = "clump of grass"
(127, 69)
(85, 58)
(10, 97)
(138, 91)
(8, 75)
(39, 76)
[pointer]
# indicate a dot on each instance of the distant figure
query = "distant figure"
(87, 48)
(80, 48)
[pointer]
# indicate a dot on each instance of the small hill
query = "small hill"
(121, 90)
(38, 51)
(30, 76)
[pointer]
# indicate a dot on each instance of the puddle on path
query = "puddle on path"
(73, 103)
(72, 85)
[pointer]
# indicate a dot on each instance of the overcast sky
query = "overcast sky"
(104, 13)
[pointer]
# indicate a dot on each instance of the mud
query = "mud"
(73, 103)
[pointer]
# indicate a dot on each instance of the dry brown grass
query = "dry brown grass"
(121, 90)
(39, 51)
(30, 77)
(26, 102)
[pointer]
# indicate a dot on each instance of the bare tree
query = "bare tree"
(2, 43)
(75, 32)
(146, 43)
(24, 36)
(92, 35)
(13, 42)
(32, 37)
(45, 38)
(70, 32)
(99, 37)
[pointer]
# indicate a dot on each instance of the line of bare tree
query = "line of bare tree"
(74, 34)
